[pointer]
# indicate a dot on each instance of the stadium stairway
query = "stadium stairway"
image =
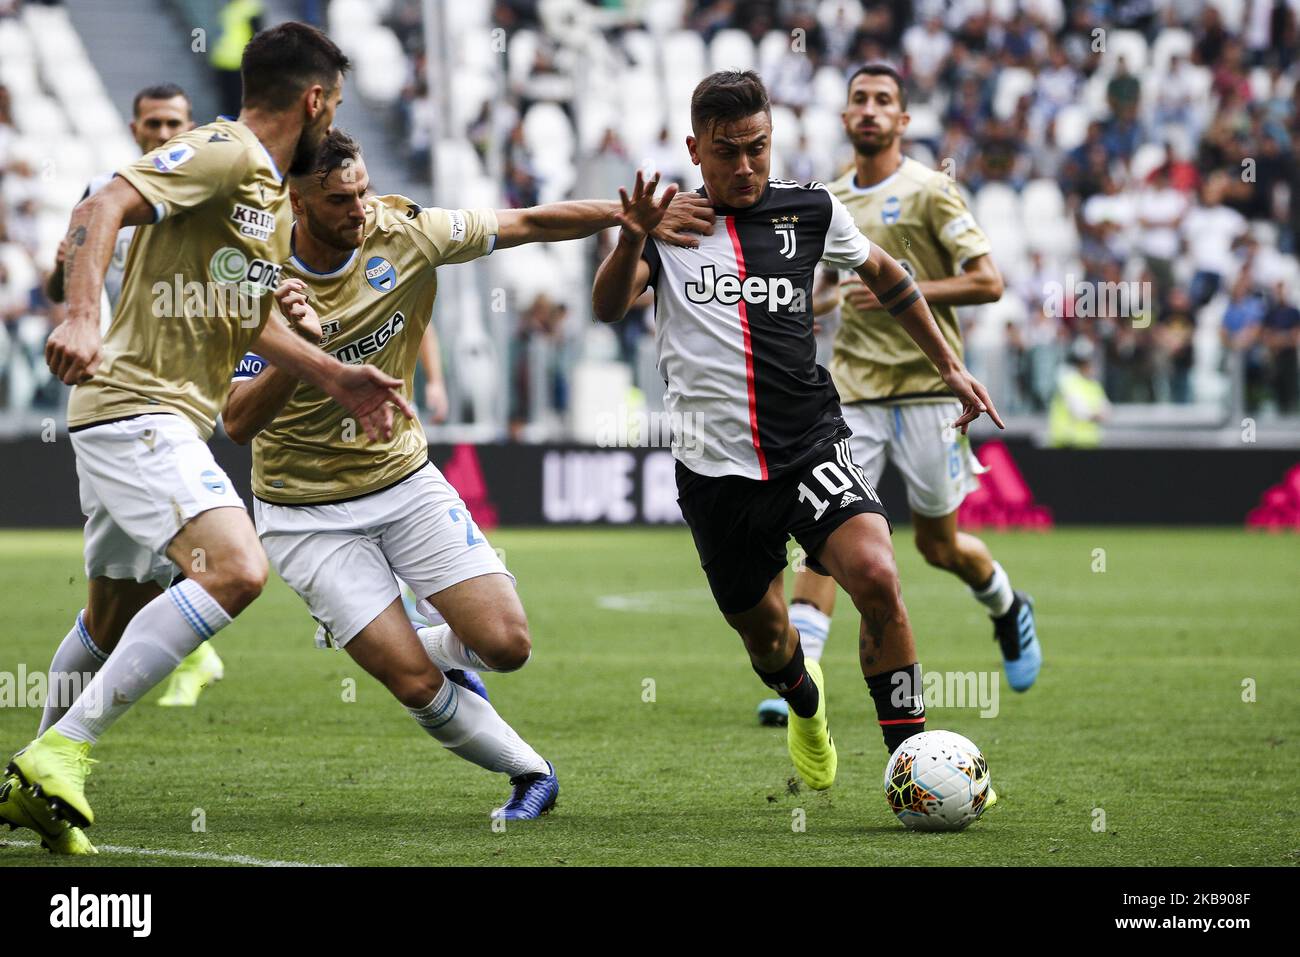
(109, 29)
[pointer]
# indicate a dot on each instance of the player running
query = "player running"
(340, 519)
(149, 391)
(763, 451)
(157, 114)
(896, 404)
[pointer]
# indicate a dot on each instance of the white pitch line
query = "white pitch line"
(183, 855)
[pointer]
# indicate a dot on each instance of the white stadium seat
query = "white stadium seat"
(520, 54)
(381, 66)
(731, 50)
(1130, 45)
(1013, 83)
(1146, 159)
(1233, 13)
(1170, 42)
(1071, 126)
(684, 56)
(349, 18)
(772, 49)
(829, 88)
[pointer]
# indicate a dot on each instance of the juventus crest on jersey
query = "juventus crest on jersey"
(734, 330)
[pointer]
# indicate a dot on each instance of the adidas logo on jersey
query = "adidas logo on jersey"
(849, 498)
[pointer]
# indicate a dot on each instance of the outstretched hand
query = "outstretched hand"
(641, 214)
(370, 395)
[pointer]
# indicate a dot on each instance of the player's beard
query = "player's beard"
(875, 145)
(304, 154)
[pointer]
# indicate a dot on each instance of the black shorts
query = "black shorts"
(741, 525)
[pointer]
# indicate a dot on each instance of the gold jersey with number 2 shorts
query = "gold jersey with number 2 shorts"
(339, 517)
(195, 295)
(892, 397)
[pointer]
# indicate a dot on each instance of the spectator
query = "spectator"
(1281, 339)
(1079, 405)
(1209, 231)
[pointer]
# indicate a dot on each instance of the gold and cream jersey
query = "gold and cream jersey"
(197, 282)
(374, 308)
(918, 216)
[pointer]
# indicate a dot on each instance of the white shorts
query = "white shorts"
(341, 558)
(142, 480)
(937, 463)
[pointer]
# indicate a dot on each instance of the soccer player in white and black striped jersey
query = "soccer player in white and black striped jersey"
(761, 446)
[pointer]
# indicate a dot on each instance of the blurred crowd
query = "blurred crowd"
(1184, 178)
(25, 313)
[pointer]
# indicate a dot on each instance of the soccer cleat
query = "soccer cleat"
(533, 796)
(52, 771)
(469, 680)
(812, 749)
(201, 668)
(1017, 634)
(774, 712)
(66, 839)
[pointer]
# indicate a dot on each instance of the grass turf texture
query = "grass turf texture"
(1139, 712)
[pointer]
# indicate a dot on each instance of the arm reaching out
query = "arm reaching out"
(623, 274)
(896, 291)
(363, 390)
(688, 216)
(73, 349)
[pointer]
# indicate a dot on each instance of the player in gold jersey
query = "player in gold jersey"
(195, 296)
(340, 519)
(893, 400)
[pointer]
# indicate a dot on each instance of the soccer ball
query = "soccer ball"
(937, 781)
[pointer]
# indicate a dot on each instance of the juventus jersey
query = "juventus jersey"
(734, 331)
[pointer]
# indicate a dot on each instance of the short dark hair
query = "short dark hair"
(280, 63)
(336, 150)
(160, 91)
(726, 96)
(882, 69)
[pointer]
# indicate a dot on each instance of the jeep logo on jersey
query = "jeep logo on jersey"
(784, 227)
(354, 353)
(380, 274)
(729, 289)
(172, 158)
(890, 212)
(257, 223)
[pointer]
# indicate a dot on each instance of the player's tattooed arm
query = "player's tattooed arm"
(72, 350)
(689, 216)
(897, 292)
(624, 274)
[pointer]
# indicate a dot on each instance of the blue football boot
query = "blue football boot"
(1017, 634)
(534, 795)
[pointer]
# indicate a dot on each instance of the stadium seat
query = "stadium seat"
(684, 57)
(348, 19)
(642, 48)
(662, 16)
(1146, 159)
(731, 50)
(520, 54)
(1170, 42)
(829, 87)
(1233, 13)
(1129, 44)
(1071, 126)
(1013, 83)
(925, 123)
(771, 49)
(381, 68)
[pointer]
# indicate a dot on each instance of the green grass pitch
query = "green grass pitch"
(1137, 723)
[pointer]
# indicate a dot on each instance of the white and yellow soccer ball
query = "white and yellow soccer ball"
(937, 781)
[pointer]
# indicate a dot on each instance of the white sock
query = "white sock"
(159, 636)
(77, 660)
(448, 651)
(466, 725)
(814, 627)
(997, 595)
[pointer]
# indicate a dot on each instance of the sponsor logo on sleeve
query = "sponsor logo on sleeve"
(254, 223)
(458, 227)
(169, 160)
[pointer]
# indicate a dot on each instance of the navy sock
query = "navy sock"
(793, 683)
(900, 705)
